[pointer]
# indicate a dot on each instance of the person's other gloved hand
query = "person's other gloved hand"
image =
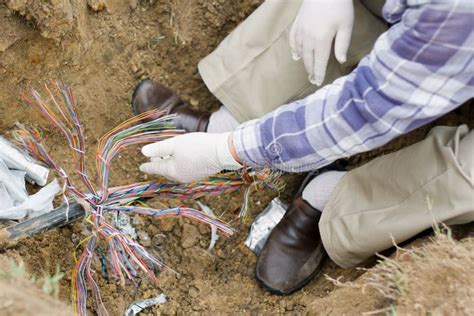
(190, 157)
(317, 23)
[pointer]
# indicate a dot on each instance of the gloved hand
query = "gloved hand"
(317, 23)
(190, 157)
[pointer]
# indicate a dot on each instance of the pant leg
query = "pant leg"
(401, 195)
(252, 72)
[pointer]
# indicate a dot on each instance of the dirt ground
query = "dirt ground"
(103, 49)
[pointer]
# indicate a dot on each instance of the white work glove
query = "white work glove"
(317, 23)
(190, 157)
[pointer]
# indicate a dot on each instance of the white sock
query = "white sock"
(222, 121)
(317, 192)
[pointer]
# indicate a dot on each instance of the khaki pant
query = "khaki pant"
(252, 72)
(400, 195)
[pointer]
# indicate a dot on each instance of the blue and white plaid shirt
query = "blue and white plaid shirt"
(418, 70)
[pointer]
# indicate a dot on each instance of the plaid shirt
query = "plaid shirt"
(418, 70)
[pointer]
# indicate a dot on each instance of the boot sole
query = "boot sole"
(296, 288)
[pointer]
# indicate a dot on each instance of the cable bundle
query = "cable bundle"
(125, 256)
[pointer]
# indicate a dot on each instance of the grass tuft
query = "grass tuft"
(51, 283)
(16, 271)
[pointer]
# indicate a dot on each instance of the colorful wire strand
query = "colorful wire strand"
(126, 257)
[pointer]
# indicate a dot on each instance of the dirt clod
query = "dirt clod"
(133, 4)
(97, 5)
(144, 238)
(54, 18)
(193, 292)
(190, 236)
(167, 224)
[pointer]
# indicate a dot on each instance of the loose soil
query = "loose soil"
(103, 49)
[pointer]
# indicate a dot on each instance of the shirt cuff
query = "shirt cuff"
(248, 145)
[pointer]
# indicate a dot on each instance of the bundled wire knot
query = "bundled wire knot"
(126, 257)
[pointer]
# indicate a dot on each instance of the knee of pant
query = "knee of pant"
(465, 154)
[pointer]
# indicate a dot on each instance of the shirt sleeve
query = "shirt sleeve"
(418, 70)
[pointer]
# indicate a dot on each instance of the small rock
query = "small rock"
(190, 236)
(194, 102)
(147, 294)
(75, 238)
(134, 67)
(133, 4)
(167, 224)
(193, 292)
(144, 238)
(96, 5)
(220, 253)
(158, 240)
(138, 221)
(152, 230)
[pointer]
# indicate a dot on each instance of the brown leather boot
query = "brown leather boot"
(293, 253)
(150, 95)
